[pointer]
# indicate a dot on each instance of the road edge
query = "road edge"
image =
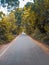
(44, 47)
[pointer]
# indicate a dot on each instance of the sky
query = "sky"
(23, 2)
(4, 10)
(21, 5)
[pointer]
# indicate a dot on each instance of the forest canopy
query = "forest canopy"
(33, 19)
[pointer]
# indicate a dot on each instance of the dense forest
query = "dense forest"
(33, 19)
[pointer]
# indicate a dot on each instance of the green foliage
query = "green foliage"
(7, 28)
(32, 19)
(10, 26)
(18, 16)
(36, 19)
(10, 2)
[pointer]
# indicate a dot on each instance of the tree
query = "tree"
(8, 28)
(28, 18)
(18, 17)
(12, 3)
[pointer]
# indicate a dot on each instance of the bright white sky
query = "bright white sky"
(4, 10)
(22, 3)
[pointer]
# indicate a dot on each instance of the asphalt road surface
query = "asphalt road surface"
(23, 51)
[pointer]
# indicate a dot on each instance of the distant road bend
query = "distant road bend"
(23, 51)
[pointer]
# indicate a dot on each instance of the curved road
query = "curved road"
(23, 51)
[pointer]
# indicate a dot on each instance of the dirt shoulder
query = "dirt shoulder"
(3, 47)
(44, 44)
(44, 47)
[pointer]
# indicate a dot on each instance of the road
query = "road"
(23, 51)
